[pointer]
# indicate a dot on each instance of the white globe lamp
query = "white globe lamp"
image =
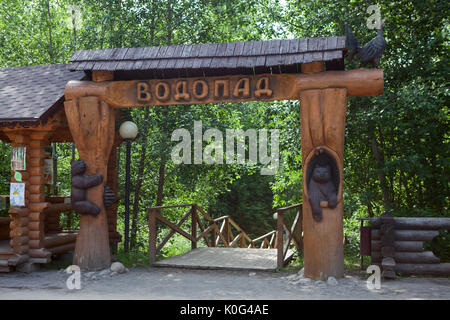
(128, 130)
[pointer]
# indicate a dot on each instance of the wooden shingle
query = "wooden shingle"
(30, 93)
(214, 56)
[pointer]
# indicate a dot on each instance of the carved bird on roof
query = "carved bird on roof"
(371, 51)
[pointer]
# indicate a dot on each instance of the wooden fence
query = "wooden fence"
(224, 231)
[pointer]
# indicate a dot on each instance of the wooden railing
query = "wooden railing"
(294, 234)
(223, 231)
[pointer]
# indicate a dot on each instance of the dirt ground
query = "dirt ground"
(175, 284)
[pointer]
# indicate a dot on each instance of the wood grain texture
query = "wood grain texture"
(91, 123)
(134, 93)
(322, 125)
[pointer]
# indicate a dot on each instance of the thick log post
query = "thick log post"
(322, 128)
(19, 229)
(37, 203)
(91, 123)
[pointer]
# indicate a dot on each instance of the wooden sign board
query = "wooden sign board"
(199, 90)
(238, 88)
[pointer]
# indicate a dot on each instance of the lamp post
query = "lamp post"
(128, 131)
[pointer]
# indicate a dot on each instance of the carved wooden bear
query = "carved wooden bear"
(321, 189)
(80, 184)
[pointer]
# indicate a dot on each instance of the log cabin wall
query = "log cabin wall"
(19, 225)
(53, 215)
(403, 251)
(32, 116)
(28, 223)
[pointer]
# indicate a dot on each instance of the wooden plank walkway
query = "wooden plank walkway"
(225, 259)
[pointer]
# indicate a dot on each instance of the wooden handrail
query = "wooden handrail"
(298, 205)
(265, 236)
(221, 218)
(173, 206)
(223, 234)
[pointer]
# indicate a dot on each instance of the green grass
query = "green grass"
(133, 259)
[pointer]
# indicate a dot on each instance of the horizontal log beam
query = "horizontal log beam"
(441, 269)
(409, 257)
(58, 240)
(404, 246)
(238, 88)
(415, 223)
(58, 208)
(63, 248)
(408, 235)
(39, 253)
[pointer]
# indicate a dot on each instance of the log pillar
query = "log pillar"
(91, 123)
(20, 215)
(322, 128)
(37, 203)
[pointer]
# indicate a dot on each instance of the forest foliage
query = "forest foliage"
(397, 155)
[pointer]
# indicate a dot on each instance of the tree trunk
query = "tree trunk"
(162, 166)
(162, 173)
(379, 157)
(50, 33)
(137, 190)
(370, 209)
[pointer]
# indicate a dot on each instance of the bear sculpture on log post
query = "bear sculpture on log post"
(323, 183)
(80, 184)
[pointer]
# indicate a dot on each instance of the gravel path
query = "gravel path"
(167, 283)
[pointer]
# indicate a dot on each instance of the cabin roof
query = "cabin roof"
(33, 93)
(213, 59)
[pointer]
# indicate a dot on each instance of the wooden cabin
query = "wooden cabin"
(32, 116)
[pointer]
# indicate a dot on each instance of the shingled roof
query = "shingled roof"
(261, 55)
(30, 94)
